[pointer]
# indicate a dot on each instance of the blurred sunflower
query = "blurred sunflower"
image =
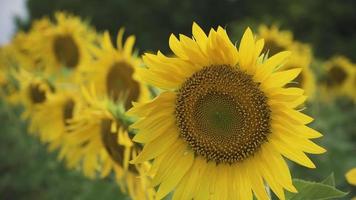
(339, 78)
(224, 121)
(33, 91)
(114, 70)
(53, 128)
(62, 46)
(99, 142)
(276, 41)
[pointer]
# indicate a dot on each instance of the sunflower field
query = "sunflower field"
(179, 100)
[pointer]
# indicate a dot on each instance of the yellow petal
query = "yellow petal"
(191, 181)
(203, 192)
(199, 36)
(280, 79)
(266, 69)
(143, 109)
(290, 138)
(176, 47)
(156, 147)
(119, 38)
(129, 43)
(351, 176)
(246, 50)
(256, 180)
(176, 174)
(145, 136)
(243, 187)
(293, 154)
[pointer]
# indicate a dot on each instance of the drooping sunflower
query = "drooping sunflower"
(63, 45)
(114, 70)
(98, 143)
(339, 78)
(277, 40)
(224, 122)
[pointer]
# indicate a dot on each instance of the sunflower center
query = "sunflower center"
(110, 141)
(120, 83)
(37, 95)
(68, 111)
(222, 114)
(66, 51)
(336, 76)
(272, 47)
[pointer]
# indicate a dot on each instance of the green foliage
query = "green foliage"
(314, 191)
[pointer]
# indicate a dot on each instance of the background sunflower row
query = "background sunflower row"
(66, 67)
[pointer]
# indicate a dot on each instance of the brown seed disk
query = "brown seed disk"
(222, 114)
(336, 76)
(68, 111)
(37, 95)
(66, 51)
(120, 83)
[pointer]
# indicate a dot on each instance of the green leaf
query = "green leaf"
(330, 180)
(308, 190)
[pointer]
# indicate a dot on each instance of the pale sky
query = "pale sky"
(8, 10)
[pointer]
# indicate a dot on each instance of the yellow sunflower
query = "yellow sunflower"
(62, 46)
(52, 128)
(33, 91)
(339, 78)
(277, 41)
(224, 122)
(99, 144)
(114, 70)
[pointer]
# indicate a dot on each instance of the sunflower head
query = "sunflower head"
(114, 72)
(224, 117)
(61, 47)
(99, 144)
(339, 78)
(63, 105)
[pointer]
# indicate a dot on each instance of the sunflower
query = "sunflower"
(98, 142)
(224, 122)
(276, 41)
(33, 91)
(62, 46)
(339, 78)
(52, 129)
(114, 70)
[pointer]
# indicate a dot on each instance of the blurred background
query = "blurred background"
(28, 171)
